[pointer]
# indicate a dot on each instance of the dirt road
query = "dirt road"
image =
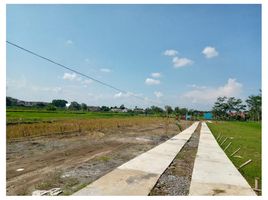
(72, 161)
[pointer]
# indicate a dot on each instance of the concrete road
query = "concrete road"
(139, 175)
(214, 173)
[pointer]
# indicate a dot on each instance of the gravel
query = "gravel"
(176, 180)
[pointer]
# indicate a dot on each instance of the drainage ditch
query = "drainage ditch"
(176, 179)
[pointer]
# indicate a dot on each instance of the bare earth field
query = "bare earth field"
(73, 160)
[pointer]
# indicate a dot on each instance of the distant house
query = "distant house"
(138, 110)
(115, 110)
(241, 115)
(94, 108)
(188, 117)
(30, 103)
(119, 110)
(208, 116)
(124, 110)
(200, 113)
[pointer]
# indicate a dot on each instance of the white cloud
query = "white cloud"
(151, 81)
(129, 95)
(88, 81)
(105, 70)
(232, 88)
(124, 95)
(118, 95)
(197, 86)
(170, 52)
(210, 52)
(158, 94)
(69, 42)
(209, 94)
(68, 76)
(181, 62)
(156, 75)
(74, 77)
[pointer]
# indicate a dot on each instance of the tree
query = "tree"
(51, 107)
(8, 101)
(220, 108)
(122, 107)
(40, 105)
(183, 111)
(74, 106)
(235, 107)
(168, 109)
(148, 111)
(254, 103)
(177, 110)
(11, 101)
(59, 103)
(105, 109)
(84, 106)
(156, 110)
(228, 108)
(191, 112)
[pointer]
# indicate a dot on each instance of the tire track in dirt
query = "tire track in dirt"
(53, 161)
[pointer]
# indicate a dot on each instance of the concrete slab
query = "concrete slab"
(214, 173)
(139, 175)
(208, 189)
(121, 182)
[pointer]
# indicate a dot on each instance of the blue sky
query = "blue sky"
(180, 55)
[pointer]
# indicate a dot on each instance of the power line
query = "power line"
(77, 72)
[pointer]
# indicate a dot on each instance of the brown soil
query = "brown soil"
(176, 179)
(72, 161)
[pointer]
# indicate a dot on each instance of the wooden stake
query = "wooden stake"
(227, 146)
(256, 188)
(256, 183)
(244, 164)
(235, 152)
(220, 139)
(218, 136)
(224, 141)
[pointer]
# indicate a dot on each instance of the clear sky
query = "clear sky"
(178, 55)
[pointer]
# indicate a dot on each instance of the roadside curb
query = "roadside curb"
(214, 173)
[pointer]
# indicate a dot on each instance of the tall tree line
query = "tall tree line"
(233, 108)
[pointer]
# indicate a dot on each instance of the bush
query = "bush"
(51, 107)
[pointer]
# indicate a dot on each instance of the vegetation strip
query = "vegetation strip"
(246, 144)
(24, 131)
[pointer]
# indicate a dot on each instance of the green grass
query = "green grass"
(246, 135)
(104, 158)
(28, 116)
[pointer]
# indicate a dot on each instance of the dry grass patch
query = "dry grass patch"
(79, 126)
